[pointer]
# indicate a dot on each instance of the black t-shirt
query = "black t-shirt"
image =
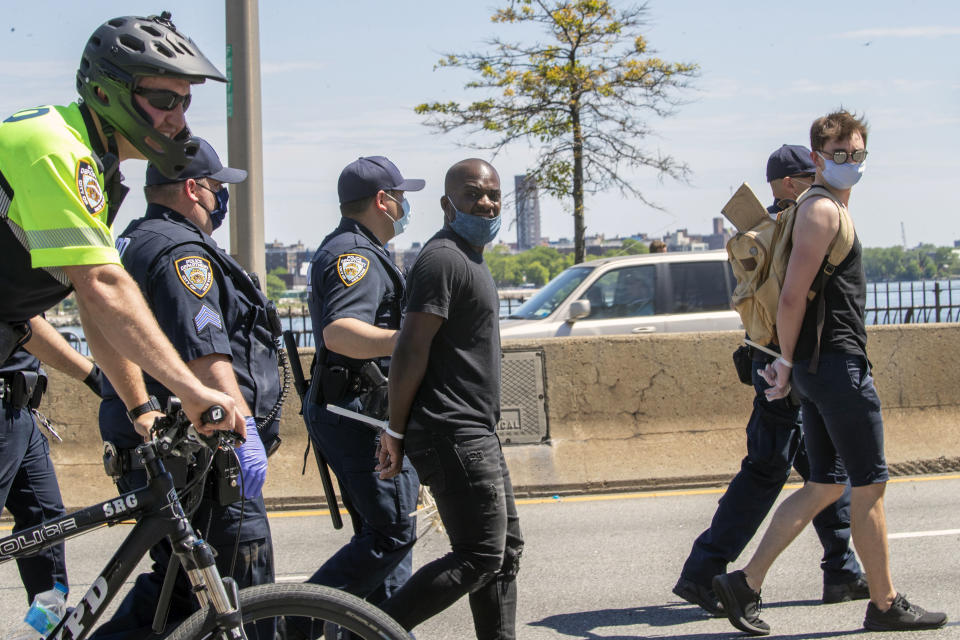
(845, 295)
(461, 388)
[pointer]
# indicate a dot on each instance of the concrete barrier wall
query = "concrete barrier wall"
(622, 411)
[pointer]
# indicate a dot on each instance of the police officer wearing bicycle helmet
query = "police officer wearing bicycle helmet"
(60, 190)
(226, 330)
(356, 296)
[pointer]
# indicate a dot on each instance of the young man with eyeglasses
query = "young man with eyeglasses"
(356, 295)
(842, 423)
(774, 447)
(60, 189)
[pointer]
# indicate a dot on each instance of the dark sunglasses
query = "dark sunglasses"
(840, 157)
(163, 99)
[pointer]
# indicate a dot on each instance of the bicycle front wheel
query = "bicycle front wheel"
(297, 611)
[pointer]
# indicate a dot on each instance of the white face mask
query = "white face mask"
(841, 176)
(399, 226)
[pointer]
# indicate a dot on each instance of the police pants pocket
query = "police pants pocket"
(428, 467)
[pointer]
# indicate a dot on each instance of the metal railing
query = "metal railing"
(297, 319)
(913, 302)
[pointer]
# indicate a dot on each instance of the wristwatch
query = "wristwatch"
(150, 405)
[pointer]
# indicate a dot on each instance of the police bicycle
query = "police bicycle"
(262, 611)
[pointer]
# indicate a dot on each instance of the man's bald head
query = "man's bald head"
(465, 169)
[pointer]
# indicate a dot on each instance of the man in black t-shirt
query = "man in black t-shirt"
(444, 405)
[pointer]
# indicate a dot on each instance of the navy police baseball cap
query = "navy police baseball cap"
(789, 160)
(365, 176)
(206, 164)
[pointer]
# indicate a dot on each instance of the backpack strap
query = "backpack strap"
(837, 252)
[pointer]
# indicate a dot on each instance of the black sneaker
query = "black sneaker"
(699, 595)
(741, 603)
(902, 616)
(856, 590)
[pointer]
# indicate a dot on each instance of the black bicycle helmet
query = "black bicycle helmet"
(120, 52)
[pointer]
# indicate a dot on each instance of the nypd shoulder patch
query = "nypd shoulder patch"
(207, 317)
(351, 268)
(195, 274)
(88, 188)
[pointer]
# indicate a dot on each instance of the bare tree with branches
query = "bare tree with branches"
(583, 98)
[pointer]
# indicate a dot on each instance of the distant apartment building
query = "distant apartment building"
(294, 258)
(528, 212)
(681, 240)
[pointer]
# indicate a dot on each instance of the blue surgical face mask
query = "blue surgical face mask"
(476, 230)
(220, 212)
(399, 226)
(841, 176)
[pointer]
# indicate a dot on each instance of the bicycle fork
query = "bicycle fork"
(197, 559)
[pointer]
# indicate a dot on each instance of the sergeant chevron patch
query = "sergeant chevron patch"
(351, 268)
(207, 316)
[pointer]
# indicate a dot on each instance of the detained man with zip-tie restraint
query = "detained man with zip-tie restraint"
(225, 329)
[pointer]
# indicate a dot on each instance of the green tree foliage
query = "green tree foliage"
(583, 97)
(536, 273)
(535, 266)
(925, 262)
(275, 284)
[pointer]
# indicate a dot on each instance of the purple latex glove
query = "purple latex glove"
(253, 461)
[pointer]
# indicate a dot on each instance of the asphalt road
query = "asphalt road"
(603, 566)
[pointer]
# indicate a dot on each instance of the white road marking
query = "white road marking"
(924, 534)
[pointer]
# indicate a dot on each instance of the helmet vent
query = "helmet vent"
(131, 42)
(184, 47)
(117, 22)
(163, 50)
(95, 41)
(151, 30)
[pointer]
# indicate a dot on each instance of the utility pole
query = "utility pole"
(244, 135)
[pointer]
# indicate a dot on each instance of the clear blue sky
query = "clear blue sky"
(340, 80)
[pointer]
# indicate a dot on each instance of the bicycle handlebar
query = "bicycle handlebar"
(173, 434)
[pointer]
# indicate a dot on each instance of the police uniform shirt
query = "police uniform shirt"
(191, 286)
(53, 208)
(352, 276)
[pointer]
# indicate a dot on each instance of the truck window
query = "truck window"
(623, 293)
(699, 286)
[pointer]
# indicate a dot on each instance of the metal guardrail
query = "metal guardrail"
(76, 341)
(297, 320)
(913, 302)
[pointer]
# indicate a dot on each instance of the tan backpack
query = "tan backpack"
(759, 254)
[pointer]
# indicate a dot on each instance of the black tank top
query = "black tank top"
(843, 328)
